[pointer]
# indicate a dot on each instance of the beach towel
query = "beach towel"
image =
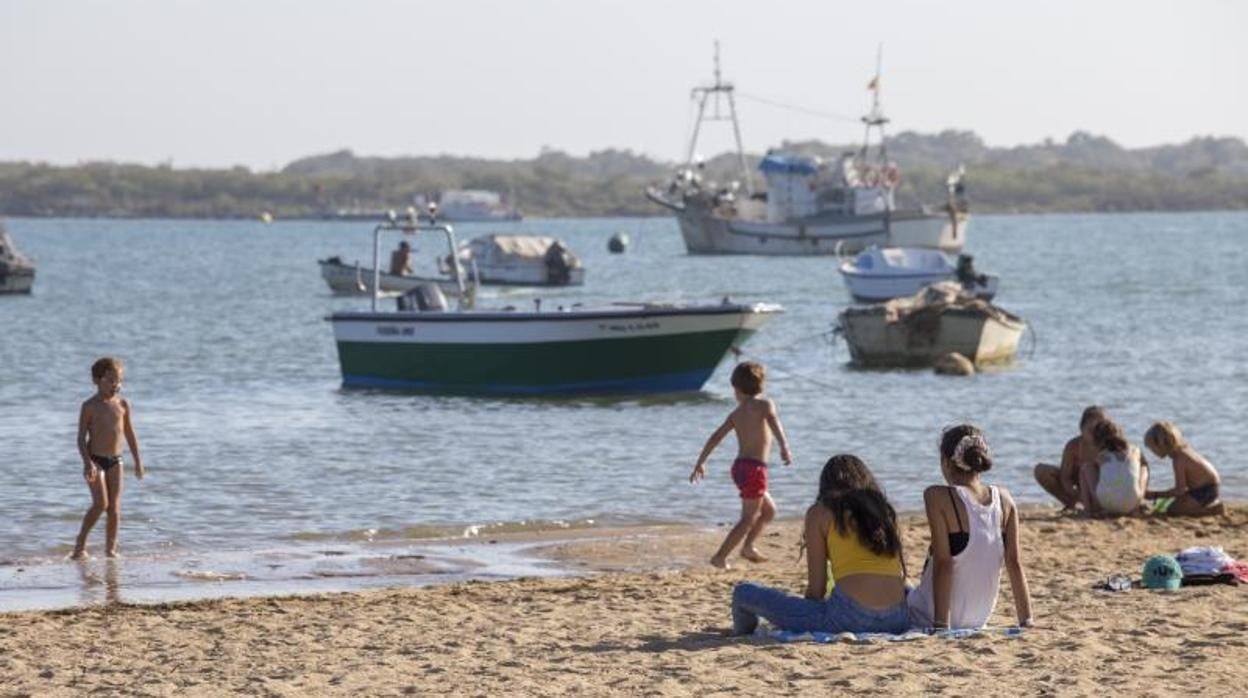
(1238, 570)
(870, 638)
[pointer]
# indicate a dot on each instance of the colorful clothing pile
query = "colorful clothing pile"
(1210, 565)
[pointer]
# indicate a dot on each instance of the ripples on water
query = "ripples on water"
(250, 441)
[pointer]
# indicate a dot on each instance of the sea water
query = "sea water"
(252, 446)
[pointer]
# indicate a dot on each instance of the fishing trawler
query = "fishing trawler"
(810, 207)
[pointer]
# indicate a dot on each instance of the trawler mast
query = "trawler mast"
(702, 95)
(875, 118)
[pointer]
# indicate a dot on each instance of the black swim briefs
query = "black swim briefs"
(105, 462)
(1205, 495)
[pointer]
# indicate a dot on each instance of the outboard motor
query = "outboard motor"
(424, 298)
(966, 273)
(558, 266)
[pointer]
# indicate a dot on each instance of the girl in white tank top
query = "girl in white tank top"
(978, 555)
(975, 535)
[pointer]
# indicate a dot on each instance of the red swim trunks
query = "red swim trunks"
(750, 476)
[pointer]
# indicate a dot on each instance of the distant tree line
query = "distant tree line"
(1084, 173)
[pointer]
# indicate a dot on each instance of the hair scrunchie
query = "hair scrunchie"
(964, 445)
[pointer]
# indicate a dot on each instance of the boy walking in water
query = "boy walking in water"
(102, 424)
(755, 421)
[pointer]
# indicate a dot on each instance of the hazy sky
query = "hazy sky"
(262, 82)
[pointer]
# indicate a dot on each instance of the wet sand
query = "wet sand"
(651, 619)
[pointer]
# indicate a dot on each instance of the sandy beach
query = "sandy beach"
(650, 619)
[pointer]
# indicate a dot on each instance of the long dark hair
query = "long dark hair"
(849, 490)
(1108, 436)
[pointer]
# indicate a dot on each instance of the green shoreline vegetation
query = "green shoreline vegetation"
(1084, 173)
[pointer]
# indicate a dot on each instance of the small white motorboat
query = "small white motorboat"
(17, 272)
(355, 280)
(940, 320)
(883, 273)
(490, 260)
(521, 260)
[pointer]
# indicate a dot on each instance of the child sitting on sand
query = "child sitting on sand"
(1062, 481)
(1196, 482)
(1116, 482)
(102, 424)
(754, 421)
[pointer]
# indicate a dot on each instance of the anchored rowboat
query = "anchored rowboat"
(915, 332)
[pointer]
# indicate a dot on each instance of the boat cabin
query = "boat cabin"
(801, 186)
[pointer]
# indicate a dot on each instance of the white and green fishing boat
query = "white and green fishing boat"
(566, 350)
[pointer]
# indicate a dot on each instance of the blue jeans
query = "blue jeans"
(836, 614)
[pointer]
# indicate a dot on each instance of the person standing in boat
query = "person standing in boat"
(401, 259)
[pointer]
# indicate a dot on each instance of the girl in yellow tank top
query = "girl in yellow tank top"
(852, 531)
(847, 556)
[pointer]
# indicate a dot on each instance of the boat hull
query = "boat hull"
(875, 342)
(617, 351)
(358, 281)
(525, 275)
(705, 232)
(345, 279)
(17, 280)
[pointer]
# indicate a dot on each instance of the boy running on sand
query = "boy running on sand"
(755, 422)
(103, 422)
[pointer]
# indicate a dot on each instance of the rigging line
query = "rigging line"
(740, 354)
(690, 126)
(793, 107)
(770, 349)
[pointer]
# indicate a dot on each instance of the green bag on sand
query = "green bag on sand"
(1161, 505)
